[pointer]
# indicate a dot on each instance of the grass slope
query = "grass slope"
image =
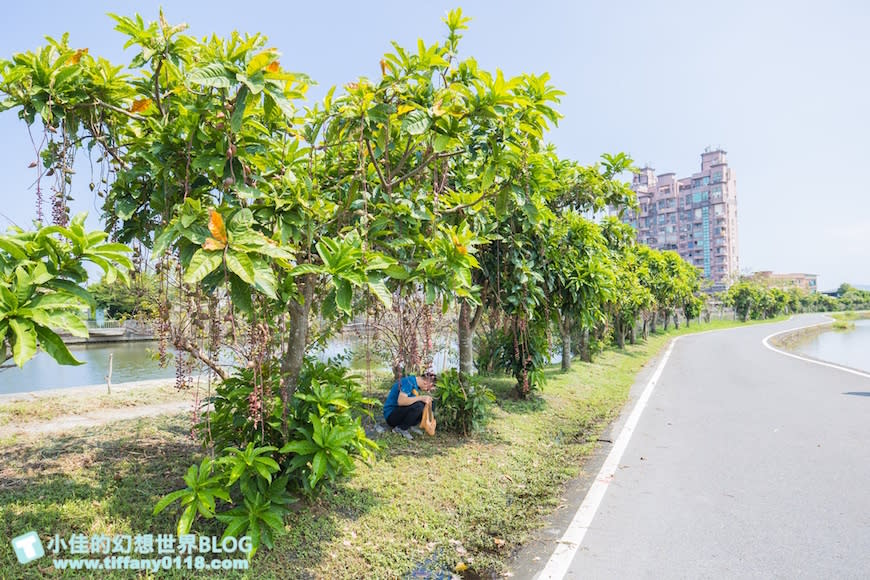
(438, 504)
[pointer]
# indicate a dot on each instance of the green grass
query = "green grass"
(443, 501)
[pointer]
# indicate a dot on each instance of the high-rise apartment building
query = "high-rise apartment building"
(695, 216)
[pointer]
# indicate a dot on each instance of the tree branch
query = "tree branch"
(189, 348)
(387, 186)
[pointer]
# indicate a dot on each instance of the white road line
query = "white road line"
(766, 343)
(567, 546)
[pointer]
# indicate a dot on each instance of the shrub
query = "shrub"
(258, 465)
(462, 403)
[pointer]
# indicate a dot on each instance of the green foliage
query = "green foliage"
(462, 402)
(241, 477)
(325, 432)
(41, 278)
(138, 300)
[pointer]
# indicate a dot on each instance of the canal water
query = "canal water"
(849, 348)
(137, 361)
(131, 361)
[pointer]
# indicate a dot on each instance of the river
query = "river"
(136, 361)
(849, 348)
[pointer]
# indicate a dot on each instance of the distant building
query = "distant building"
(805, 282)
(695, 216)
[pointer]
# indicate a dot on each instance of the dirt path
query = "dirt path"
(101, 417)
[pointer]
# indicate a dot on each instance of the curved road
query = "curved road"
(744, 464)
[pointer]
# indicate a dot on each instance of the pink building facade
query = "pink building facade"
(694, 216)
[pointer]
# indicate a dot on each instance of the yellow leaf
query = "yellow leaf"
(217, 228)
(383, 67)
(437, 111)
(461, 567)
(74, 59)
(404, 109)
(140, 105)
(213, 244)
(274, 67)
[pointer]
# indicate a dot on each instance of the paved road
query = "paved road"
(745, 464)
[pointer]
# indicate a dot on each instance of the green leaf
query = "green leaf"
(240, 265)
(441, 143)
(241, 295)
(239, 111)
(186, 520)
(13, 247)
(379, 289)
(301, 269)
(416, 122)
(488, 176)
(125, 207)
(10, 300)
(203, 263)
(211, 75)
(168, 499)
(305, 447)
(343, 295)
(241, 220)
(264, 280)
(25, 340)
(74, 289)
(54, 346)
(318, 466)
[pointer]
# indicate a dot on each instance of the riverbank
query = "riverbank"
(432, 504)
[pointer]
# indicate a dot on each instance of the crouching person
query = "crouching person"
(404, 406)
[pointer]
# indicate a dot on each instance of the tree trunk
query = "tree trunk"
(565, 328)
(645, 332)
(633, 335)
(466, 353)
(667, 319)
(585, 351)
(652, 322)
(297, 340)
(676, 320)
(620, 334)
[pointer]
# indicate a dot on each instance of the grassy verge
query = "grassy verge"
(432, 504)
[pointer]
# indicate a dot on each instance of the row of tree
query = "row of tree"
(271, 226)
(432, 181)
(754, 300)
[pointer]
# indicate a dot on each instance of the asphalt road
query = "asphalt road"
(745, 464)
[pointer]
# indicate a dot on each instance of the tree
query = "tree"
(139, 299)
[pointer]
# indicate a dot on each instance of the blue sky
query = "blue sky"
(782, 86)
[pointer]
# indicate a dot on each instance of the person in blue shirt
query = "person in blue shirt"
(404, 406)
